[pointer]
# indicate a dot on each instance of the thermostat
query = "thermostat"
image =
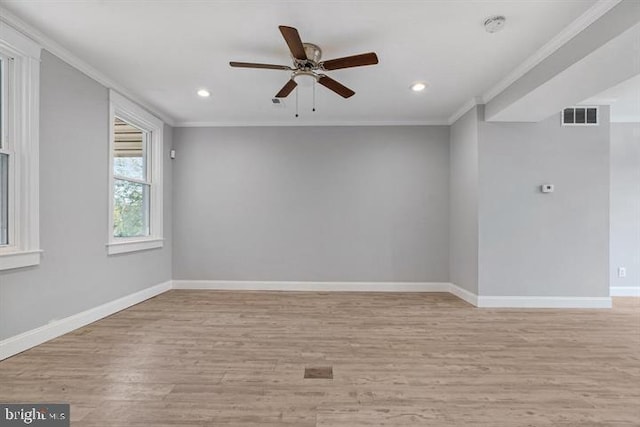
(547, 188)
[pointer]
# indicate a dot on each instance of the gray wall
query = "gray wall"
(534, 244)
(463, 208)
(312, 203)
(76, 274)
(334, 204)
(625, 203)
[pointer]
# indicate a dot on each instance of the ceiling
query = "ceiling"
(624, 100)
(163, 52)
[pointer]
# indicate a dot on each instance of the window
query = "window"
(135, 178)
(580, 116)
(19, 97)
(4, 198)
(131, 181)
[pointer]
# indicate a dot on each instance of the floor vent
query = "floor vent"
(322, 372)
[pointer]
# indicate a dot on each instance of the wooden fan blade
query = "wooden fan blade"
(286, 89)
(253, 65)
(338, 88)
(351, 61)
(294, 42)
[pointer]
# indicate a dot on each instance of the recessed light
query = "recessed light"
(204, 93)
(418, 86)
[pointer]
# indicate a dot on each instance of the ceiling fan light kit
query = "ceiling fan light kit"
(309, 67)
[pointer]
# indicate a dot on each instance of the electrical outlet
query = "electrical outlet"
(622, 272)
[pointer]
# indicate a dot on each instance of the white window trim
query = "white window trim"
(125, 109)
(23, 142)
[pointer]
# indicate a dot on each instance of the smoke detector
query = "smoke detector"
(494, 23)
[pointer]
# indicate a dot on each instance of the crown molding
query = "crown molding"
(578, 25)
(439, 122)
(61, 52)
(583, 21)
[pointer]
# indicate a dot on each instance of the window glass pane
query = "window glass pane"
(580, 115)
(1, 103)
(592, 115)
(568, 115)
(130, 209)
(4, 199)
(129, 151)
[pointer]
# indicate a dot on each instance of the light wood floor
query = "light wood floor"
(205, 358)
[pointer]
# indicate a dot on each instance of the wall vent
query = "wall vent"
(277, 102)
(580, 116)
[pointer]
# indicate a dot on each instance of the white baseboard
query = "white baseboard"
(34, 337)
(543, 302)
(463, 294)
(312, 286)
(625, 291)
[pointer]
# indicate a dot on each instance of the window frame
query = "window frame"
(126, 110)
(20, 140)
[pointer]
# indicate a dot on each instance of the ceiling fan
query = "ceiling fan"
(307, 63)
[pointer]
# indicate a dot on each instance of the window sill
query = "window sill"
(19, 259)
(125, 246)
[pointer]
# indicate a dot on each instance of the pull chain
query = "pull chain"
(314, 95)
(296, 102)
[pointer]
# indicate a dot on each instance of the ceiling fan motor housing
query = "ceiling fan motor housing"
(314, 54)
(305, 72)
